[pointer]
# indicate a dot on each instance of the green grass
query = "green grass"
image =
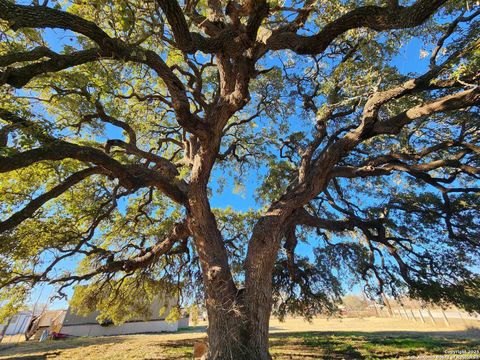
(298, 345)
(364, 345)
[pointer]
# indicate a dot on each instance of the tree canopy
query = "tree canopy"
(120, 119)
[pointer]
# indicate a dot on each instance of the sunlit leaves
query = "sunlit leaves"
(123, 299)
(12, 300)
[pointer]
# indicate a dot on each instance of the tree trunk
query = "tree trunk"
(257, 295)
(232, 341)
(238, 334)
(238, 322)
(238, 319)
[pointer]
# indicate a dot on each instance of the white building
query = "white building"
(76, 325)
(18, 323)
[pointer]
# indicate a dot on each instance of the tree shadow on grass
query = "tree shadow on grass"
(52, 347)
(378, 345)
(286, 345)
(49, 349)
(45, 356)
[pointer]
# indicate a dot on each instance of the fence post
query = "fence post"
(461, 316)
(385, 300)
(431, 316)
(413, 315)
(421, 315)
(445, 318)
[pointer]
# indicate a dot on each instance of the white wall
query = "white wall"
(127, 328)
(19, 323)
(183, 323)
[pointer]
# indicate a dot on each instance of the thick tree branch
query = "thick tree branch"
(456, 101)
(162, 164)
(32, 55)
(19, 16)
(142, 260)
(148, 256)
(42, 17)
(181, 104)
(303, 217)
(373, 17)
(39, 201)
(131, 176)
(179, 25)
(20, 76)
(388, 168)
(132, 136)
(314, 181)
(258, 13)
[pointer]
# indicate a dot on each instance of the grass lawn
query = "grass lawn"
(316, 345)
(305, 345)
(337, 344)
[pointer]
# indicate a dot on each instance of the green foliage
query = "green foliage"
(12, 300)
(174, 314)
(121, 300)
(194, 314)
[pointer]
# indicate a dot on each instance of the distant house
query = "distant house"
(76, 325)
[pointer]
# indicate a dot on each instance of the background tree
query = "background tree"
(120, 118)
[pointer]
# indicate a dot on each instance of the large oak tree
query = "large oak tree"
(120, 119)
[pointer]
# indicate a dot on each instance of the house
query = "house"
(77, 325)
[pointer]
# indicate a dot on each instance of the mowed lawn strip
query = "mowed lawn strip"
(345, 345)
